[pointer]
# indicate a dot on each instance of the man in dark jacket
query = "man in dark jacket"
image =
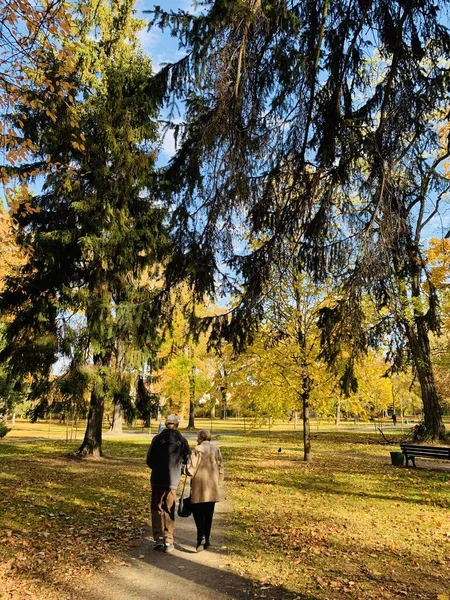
(167, 454)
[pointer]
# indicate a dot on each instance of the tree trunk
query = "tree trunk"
(417, 334)
(338, 412)
(117, 420)
(223, 392)
(419, 344)
(306, 425)
(92, 442)
(301, 335)
(191, 423)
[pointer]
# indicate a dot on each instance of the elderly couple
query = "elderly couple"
(167, 457)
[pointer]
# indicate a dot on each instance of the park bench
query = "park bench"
(412, 451)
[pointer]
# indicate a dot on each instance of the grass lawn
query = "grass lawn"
(347, 525)
(231, 426)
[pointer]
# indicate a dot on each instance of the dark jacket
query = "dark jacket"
(168, 451)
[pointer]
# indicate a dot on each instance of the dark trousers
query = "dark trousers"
(203, 515)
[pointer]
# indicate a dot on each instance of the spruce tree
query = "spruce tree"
(312, 121)
(94, 228)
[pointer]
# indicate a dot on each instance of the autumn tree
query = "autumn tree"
(291, 313)
(30, 32)
(26, 27)
(10, 259)
(262, 385)
(286, 346)
(94, 227)
(183, 373)
(375, 391)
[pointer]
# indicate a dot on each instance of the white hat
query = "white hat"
(172, 419)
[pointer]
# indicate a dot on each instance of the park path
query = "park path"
(180, 575)
(184, 574)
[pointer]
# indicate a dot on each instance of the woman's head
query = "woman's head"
(203, 436)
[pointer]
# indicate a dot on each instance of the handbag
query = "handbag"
(184, 504)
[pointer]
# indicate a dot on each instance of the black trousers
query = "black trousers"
(203, 515)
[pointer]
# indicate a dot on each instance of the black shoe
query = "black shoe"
(159, 546)
(200, 546)
(207, 544)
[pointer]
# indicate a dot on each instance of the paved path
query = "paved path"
(182, 575)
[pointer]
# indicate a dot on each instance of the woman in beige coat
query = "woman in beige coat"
(205, 466)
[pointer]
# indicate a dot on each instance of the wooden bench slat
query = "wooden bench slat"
(431, 451)
(429, 454)
(411, 451)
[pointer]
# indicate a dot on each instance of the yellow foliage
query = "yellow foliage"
(438, 257)
(10, 255)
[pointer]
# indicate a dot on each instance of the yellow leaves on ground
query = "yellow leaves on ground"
(347, 525)
(60, 518)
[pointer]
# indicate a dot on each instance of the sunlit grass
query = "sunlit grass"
(242, 428)
(348, 524)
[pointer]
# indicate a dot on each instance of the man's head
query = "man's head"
(172, 422)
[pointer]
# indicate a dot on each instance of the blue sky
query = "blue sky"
(162, 48)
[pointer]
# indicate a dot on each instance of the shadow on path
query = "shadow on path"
(183, 574)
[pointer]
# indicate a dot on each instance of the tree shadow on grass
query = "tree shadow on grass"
(322, 546)
(330, 475)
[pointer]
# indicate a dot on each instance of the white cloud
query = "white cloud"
(168, 144)
(149, 39)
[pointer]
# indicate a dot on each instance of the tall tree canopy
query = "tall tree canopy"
(318, 122)
(30, 32)
(94, 228)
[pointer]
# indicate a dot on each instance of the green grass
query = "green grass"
(232, 426)
(346, 525)
(60, 517)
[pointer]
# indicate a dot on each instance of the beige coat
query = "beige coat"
(206, 469)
